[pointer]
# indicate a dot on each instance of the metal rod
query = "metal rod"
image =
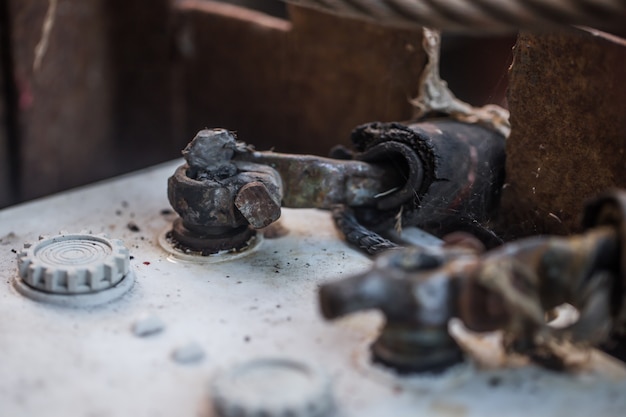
(481, 15)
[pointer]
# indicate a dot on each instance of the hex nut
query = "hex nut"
(257, 205)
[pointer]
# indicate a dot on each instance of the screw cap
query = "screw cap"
(73, 264)
(274, 387)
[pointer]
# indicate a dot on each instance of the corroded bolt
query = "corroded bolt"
(255, 202)
(412, 290)
(219, 199)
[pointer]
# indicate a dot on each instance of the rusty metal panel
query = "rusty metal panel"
(568, 114)
(299, 85)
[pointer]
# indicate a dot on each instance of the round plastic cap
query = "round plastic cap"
(273, 388)
(73, 264)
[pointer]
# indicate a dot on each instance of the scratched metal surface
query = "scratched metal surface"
(57, 361)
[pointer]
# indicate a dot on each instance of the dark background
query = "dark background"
(124, 84)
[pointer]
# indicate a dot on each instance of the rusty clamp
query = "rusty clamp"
(438, 175)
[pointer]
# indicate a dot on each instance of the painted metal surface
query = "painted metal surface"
(59, 361)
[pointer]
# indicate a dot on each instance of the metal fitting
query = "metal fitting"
(416, 297)
(441, 175)
(456, 186)
(511, 288)
(220, 201)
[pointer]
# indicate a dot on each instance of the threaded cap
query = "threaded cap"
(273, 388)
(71, 264)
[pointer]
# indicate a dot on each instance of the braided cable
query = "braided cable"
(481, 15)
(358, 235)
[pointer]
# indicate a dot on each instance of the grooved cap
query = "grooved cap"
(73, 263)
(273, 388)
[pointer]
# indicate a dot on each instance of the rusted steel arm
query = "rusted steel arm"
(317, 182)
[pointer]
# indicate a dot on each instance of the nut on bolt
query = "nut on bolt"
(255, 202)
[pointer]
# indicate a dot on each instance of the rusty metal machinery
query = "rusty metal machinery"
(459, 180)
(189, 325)
(442, 175)
(511, 288)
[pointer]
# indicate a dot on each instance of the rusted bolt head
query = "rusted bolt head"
(210, 153)
(256, 204)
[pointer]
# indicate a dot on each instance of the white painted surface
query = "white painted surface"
(59, 361)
